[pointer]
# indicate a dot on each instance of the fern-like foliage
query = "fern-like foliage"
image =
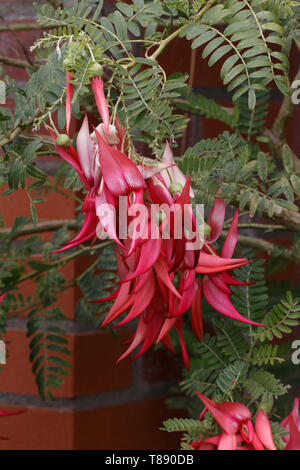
(263, 385)
(252, 300)
(280, 320)
(229, 377)
(198, 104)
(250, 29)
(252, 122)
(48, 346)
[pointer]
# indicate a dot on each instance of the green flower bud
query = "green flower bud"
(176, 188)
(95, 70)
(207, 230)
(63, 140)
(68, 63)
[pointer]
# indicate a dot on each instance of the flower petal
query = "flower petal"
(98, 90)
(263, 430)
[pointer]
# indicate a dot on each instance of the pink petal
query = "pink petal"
(263, 430)
(121, 300)
(185, 356)
(227, 422)
(120, 174)
(231, 239)
(98, 90)
(149, 254)
(196, 313)
(221, 303)
(175, 173)
(166, 327)
(85, 150)
(237, 410)
(141, 301)
(216, 219)
(215, 278)
(152, 331)
(70, 88)
(227, 442)
(207, 260)
(188, 292)
(71, 157)
(162, 272)
(294, 435)
(105, 210)
(137, 339)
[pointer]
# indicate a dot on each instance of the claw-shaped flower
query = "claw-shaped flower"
(238, 432)
(292, 425)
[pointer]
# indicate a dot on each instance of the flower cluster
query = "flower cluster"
(165, 266)
(238, 432)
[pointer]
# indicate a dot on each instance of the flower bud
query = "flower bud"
(68, 63)
(63, 140)
(207, 230)
(176, 188)
(95, 70)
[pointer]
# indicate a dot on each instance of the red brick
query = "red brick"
(16, 374)
(93, 357)
(56, 205)
(133, 426)
(37, 429)
(95, 363)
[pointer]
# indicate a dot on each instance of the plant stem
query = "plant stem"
(15, 62)
(267, 247)
(176, 33)
(66, 259)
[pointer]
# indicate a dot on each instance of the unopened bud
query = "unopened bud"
(95, 70)
(176, 188)
(68, 63)
(63, 140)
(207, 230)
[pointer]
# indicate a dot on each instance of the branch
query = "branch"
(276, 135)
(24, 27)
(65, 259)
(288, 218)
(267, 247)
(47, 226)
(17, 130)
(15, 62)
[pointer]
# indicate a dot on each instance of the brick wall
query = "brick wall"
(101, 405)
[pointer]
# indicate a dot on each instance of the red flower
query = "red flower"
(292, 425)
(238, 432)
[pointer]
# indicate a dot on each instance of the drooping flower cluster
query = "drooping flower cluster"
(238, 432)
(164, 265)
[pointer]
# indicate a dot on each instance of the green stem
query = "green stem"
(66, 259)
(176, 33)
